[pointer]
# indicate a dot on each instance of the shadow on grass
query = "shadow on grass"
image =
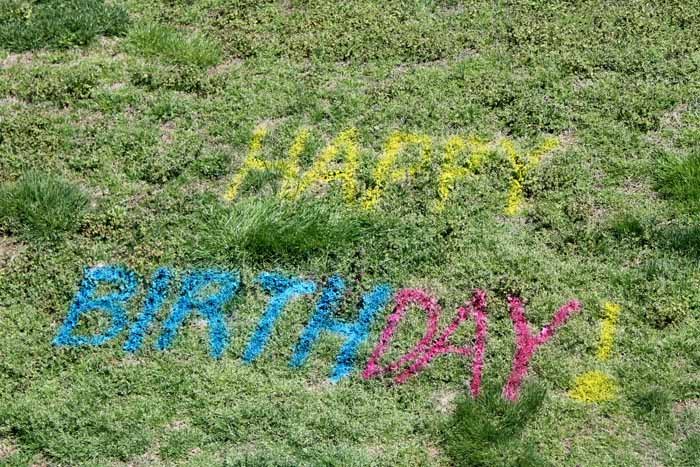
(679, 180)
(683, 239)
(486, 431)
(653, 405)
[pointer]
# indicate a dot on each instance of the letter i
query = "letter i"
(154, 302)
(597, 386)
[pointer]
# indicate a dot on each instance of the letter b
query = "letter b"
(85, 301)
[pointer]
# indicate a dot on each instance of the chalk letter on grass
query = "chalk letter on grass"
(452, 171)
(85, 301)
(385, 173)
(156, 297)
(527, 344)
(209, 306)
(252, 162)
(429, 346)
(521, 165)
(355, 333)
(323, 169)
(283, 290)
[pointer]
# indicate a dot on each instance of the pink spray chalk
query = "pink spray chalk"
(527, 344)
(430, 347)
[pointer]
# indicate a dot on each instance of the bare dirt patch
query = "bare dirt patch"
(17, 59)
(445, 400)
(10, 249)
(224, 67)
(7, 448)
(9, 101)
(687, 405)
(639, 187)
(167, 132)
(177, 425)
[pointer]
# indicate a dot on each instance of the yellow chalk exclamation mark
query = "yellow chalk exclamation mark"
(596, 386)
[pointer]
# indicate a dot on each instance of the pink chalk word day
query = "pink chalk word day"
(110, 289)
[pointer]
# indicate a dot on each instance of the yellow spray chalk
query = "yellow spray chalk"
(321, 171)
(451, 171)
(386, 172)
(291, 168)
(521, 166)
(340, 161)
(607, 334)
(252, 162)
(596, 386)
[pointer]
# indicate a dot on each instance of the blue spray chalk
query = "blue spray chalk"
(356, 333)
(156, 297)
(210, 307)
(283, 290)
(112, 303)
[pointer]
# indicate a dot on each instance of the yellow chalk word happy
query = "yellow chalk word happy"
(340, 162)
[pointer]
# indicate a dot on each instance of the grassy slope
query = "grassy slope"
(152, 134)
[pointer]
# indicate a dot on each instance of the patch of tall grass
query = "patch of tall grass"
(41, 206)
(680, 180)
(173, 46)
(272, 228)
(57, 24)
(486, 431)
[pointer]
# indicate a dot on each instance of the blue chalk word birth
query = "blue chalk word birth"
(206, 292)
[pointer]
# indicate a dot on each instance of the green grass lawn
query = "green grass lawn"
(124, 125)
